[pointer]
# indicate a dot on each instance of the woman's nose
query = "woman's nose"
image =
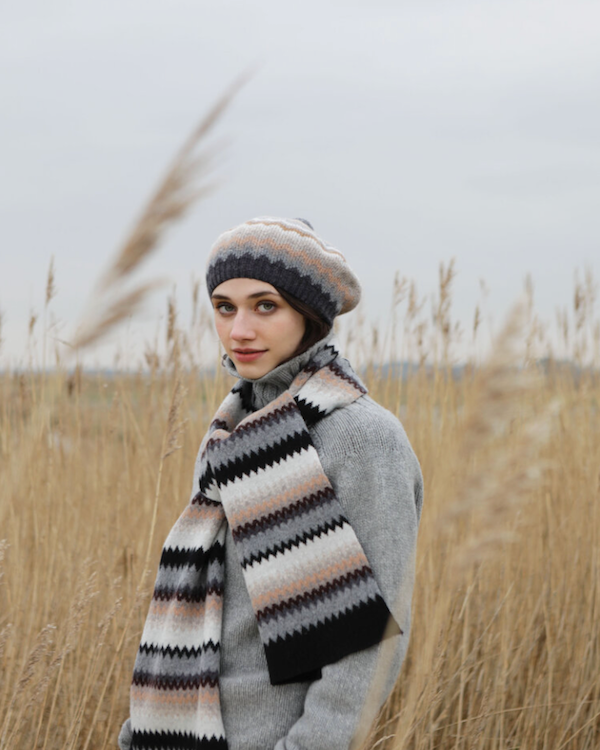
(242, 329)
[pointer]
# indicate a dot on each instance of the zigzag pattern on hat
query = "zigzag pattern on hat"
(288, 254)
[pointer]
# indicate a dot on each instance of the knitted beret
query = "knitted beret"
(288, 254)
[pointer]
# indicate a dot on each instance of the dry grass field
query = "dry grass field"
(504, 649)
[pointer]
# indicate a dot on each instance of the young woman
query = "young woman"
(292, 566)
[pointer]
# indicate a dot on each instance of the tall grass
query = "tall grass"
(94, 470)
(504, 649)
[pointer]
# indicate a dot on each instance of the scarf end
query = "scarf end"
(300, 656)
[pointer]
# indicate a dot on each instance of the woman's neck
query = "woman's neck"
(275, 382)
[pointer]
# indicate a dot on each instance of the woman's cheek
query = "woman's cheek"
(221, 326)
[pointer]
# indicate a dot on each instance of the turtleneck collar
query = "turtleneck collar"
(275, 382)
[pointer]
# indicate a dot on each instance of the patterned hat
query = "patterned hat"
(288, 254)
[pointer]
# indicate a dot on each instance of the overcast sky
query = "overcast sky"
(407, 132)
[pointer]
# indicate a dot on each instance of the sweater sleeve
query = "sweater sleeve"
(378, 482)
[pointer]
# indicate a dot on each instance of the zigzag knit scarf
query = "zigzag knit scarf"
(311, 586)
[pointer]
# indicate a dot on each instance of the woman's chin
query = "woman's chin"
(252, 370)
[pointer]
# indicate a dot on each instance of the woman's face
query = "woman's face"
(257, 327)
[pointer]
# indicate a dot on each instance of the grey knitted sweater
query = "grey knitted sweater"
(369, 461)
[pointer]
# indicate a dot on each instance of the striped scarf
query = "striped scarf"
(312, 590)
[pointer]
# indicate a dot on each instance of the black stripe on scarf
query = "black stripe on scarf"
(294, 657)
(175, 741)
(198, 558)
(261, 458)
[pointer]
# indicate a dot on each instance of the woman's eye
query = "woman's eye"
(225, 307)
(266, 306)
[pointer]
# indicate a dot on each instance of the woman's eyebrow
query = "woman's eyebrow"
(250, 296)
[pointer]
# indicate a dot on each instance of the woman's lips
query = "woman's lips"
(248, 356)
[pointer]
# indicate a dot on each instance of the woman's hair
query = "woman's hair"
(316, 327)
